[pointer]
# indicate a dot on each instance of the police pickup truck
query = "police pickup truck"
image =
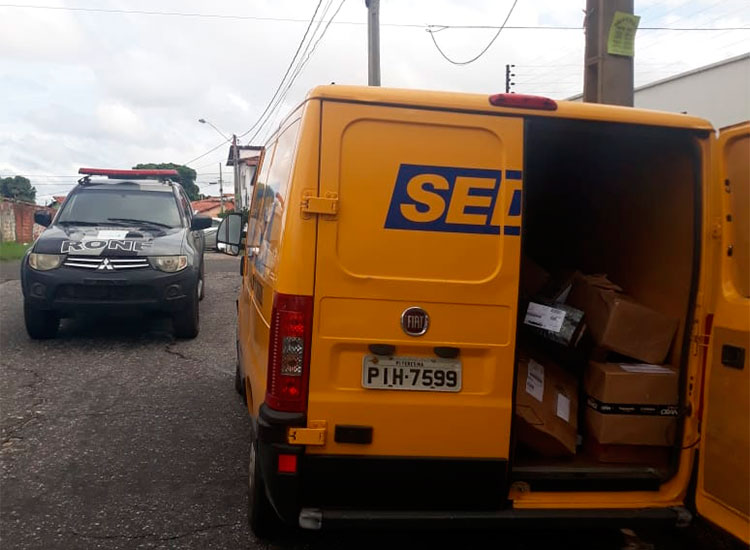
(123, 241)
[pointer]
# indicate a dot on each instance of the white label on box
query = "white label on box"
(535, 380)
(645, 368)
(548, 318)
(563, 407)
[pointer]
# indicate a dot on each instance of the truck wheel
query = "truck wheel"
(186, 323)
(239, 383)
(260, 514)
(40, 324)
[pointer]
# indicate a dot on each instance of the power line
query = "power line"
(358, 23)
(301, 65)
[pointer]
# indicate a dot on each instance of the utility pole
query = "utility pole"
(508, 82)
(607, 78)
(373, 42)
(221, 190)
(236, 166)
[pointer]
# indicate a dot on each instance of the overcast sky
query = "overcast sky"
(87, 88)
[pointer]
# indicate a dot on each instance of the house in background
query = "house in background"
(57, 201)
(249, 159)
(211, 206)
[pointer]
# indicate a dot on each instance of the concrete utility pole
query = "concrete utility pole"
(221, 190)
(236, 166)
(373, 42)
(607, 78)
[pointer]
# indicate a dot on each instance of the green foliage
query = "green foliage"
(12, 250)
(18, 188)
(187, 176)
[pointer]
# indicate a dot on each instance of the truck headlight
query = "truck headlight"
(45, 262)
(170, 264)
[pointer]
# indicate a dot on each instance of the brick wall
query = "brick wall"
(17, 221)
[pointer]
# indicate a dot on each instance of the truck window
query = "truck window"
(271, 210)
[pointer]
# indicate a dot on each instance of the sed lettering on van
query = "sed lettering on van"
(103, 244)
(458, 200)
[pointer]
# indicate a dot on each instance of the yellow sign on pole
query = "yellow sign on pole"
(621, 39)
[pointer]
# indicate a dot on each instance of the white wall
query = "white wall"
(720, 94)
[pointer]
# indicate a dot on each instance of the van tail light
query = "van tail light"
(523, 101)
(289, 353)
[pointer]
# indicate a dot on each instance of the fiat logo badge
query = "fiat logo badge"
(415, 321)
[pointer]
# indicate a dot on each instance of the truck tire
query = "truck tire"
(40, 324)
(202, 281)
(186, 323)
(261, 516)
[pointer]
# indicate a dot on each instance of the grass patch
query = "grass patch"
(12, 251)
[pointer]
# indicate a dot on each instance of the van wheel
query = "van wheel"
(186, 323)
(239, 383)
(40, 324)
(261, 516)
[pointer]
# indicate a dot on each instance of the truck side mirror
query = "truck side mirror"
(229, 233)
(42, 217)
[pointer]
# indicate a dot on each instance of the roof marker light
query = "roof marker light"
(523, 101)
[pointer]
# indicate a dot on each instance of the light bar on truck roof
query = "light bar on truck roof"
(114, 173)
(523, 101)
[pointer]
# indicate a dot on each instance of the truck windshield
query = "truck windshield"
(104, 206)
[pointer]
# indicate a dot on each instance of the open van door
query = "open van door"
(723, 490)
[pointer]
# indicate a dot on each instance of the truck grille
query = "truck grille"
(106, 263)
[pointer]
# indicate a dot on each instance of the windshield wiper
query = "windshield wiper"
(79, 222)
(140, 222)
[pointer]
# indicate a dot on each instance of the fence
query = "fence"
(17, 221)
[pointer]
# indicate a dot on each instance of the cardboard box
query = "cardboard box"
(546, 407)
(533, 277)
(627, 454)
(618, 323)
(558, 323)
(631, 404)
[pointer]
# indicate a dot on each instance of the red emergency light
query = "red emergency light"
(113, 173)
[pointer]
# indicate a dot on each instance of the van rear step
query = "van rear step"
(620, 477)
(315, 518)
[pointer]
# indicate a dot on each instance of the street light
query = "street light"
(236, 163)
(222, 134)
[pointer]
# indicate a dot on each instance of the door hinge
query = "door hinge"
(327, 205)
(699, 340)
(313, 434)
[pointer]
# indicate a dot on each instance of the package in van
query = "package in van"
(618, 323)
(546, 412)
(559, 323)
(631, 403)
(534, 277)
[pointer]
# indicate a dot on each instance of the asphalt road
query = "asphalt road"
(114, 435)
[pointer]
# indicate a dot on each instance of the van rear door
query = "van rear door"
(723, 490)
(426, 238)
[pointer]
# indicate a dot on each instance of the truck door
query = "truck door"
(723, 490)
(427, 228)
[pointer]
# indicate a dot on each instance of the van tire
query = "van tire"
(186, 323)
(261, 517)
(40, 324)
(239, 383)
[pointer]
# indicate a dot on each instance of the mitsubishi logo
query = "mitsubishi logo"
(105, 265)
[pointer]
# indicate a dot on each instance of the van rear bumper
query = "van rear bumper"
(314, 518)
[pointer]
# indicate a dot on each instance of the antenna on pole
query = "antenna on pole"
(508, 82)
(373, 42)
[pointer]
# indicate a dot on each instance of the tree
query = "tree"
(18, 188)
(187, 176)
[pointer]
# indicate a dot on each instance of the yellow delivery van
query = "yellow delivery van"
(399, 363)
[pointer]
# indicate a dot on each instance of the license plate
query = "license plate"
(411, 373)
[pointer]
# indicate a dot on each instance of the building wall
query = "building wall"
(17, 221)
(720, 93)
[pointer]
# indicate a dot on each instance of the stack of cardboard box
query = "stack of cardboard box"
(630, 403)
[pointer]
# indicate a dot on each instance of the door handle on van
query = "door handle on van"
(733, 356)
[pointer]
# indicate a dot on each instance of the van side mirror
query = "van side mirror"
(200, 222)
(229, 233)
(42, 217)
